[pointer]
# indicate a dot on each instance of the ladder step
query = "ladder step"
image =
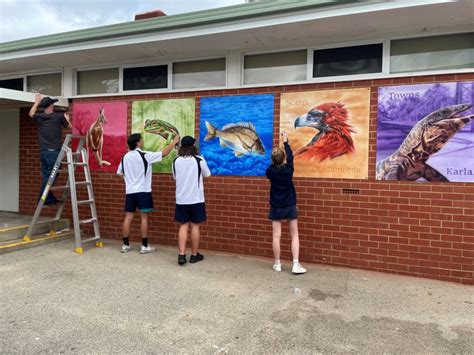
(76, 164)
(90, 220)
(59, 187)
(85, 202)
(90, 239)
(83, 183)
(47, 220)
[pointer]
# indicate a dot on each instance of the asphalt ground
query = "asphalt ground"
(55, 301)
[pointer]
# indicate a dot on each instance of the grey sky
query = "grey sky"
(31, 18)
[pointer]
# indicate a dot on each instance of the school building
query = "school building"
(423, 229)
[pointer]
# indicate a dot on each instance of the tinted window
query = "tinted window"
(348, 61)
(13, 84)
(141, 78)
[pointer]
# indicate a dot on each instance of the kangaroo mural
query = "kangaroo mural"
(95, 137)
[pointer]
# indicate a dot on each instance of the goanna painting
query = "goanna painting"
(426, 132)
(104, 124)
(236, 134)
(158, 121)
(328, 132)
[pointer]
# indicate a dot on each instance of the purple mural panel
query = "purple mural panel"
(426, 132)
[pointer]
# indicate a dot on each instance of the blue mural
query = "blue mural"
(236, 134)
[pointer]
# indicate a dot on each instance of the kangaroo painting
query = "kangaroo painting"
(95, 137)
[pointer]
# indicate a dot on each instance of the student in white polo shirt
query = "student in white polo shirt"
(136, 172)
(188, 170)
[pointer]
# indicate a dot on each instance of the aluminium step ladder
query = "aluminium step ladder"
(73, 160)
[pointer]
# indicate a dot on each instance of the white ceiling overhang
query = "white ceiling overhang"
(365, 21)
(17, 99)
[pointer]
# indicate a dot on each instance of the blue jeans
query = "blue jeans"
(48, 158)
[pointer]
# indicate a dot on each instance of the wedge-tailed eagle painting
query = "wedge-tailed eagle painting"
(426, 132)
(104, 125)
(328, 132)
(236, 134)
(159, 121)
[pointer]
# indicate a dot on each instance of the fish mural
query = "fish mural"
(236, 133)
(159, 121)
(241, 137)
(425, 132)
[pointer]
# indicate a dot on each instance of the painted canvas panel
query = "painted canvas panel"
(328, 132)
(426, 132)
(158, 121)
(104, 124)
(236, 134)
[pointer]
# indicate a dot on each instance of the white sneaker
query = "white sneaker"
(145, 250)
(277, 267)
(125, 248)
(298, 269)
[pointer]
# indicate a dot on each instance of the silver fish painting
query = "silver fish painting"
(241, 137)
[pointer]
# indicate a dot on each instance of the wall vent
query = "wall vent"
(351, 191)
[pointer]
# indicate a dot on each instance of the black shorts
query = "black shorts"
(195, 213)
(142, 200)
(277, 214)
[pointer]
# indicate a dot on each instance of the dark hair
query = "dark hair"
(188, 151)
(133, 139)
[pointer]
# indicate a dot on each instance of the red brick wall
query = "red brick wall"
(419, 229)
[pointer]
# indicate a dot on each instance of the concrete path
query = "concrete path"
(55, 301)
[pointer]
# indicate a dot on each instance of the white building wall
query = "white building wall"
(9, 159)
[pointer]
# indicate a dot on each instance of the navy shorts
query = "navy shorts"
(277, 214)
(141, 200)
(195, 213)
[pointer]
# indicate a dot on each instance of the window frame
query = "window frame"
(79, 69)
(26, 74)
(195, 60)
(242, 66)
(45, 73)
(350, 77)
(429, 72)
(141, 65)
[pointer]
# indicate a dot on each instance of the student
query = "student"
(188, 171)
(50, 125)
(136, 171)
(283, 203)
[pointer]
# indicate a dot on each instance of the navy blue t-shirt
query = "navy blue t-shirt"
(49, 129)
(282, 190)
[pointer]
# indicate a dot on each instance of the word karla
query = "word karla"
(463, 171)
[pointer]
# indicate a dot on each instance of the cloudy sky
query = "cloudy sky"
(31, 18)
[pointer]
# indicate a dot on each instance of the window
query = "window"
(13, 84)
(199, 73)
(49, 84)
(275, 67)
(101, 81)
(354, 60)
(432, 53)
(143, 78)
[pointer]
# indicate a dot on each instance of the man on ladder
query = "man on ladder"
(50, 125)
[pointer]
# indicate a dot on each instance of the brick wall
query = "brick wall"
(418, 229)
